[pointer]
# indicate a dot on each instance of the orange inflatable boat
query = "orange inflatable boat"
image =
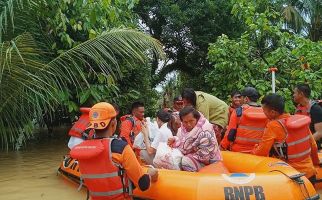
(250, 178)
(318, 184)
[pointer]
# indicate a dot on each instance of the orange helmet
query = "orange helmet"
(100, 115)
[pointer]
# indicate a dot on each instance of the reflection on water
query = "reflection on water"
(31, 173)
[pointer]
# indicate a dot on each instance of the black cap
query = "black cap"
(250, 92)
(179, 98)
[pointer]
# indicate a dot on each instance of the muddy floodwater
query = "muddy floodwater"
(31, 173)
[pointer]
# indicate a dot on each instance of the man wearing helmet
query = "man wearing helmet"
(106, 163)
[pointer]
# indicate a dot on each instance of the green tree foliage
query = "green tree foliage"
(34, 79)
(70, 22)
(186, 28)
(245, 61)
(63, 24)
(171, 89)
(136, 85)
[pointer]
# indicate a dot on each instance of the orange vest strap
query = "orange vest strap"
(281, 122)
(78, 130)
(292, 156)
(252, 128)
(105, 175)
(299, 141)
(248, 139)
(109, 193)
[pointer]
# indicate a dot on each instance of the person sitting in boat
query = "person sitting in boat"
(131, 124)
(236, 101)
(287, 137)
(196, 140)
(106, 163)
(175, 123)
(212, 108)
(162, 135)
(246, 125)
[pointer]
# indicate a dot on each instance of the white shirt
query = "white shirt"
(73, 141)
(162, 135)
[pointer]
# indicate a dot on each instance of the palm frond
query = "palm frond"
(17, 17)
(25, 87)
(107, 50)
(7, 13)
(28, 85)
(293, 18)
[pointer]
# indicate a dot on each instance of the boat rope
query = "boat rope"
(87, 195)
(296, 178)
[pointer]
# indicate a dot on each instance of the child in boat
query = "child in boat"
(175, 123)
(196, 140)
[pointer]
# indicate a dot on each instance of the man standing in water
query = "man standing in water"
(106, 163)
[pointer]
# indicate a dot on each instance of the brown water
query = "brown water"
(31, 174)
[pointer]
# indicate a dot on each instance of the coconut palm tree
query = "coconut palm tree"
(303, 16)
(31, 76)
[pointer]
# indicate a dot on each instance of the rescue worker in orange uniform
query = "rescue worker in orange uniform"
(287, 137)
(310, 108)
(106, 163)
(79, 132)
(236, 101)
(131, 125)
(246, 125)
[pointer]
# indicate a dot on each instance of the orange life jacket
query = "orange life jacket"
(297, 144)
(135, 126)
(101, 176)
(305, 110)
(250, 128)
(79, 129)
